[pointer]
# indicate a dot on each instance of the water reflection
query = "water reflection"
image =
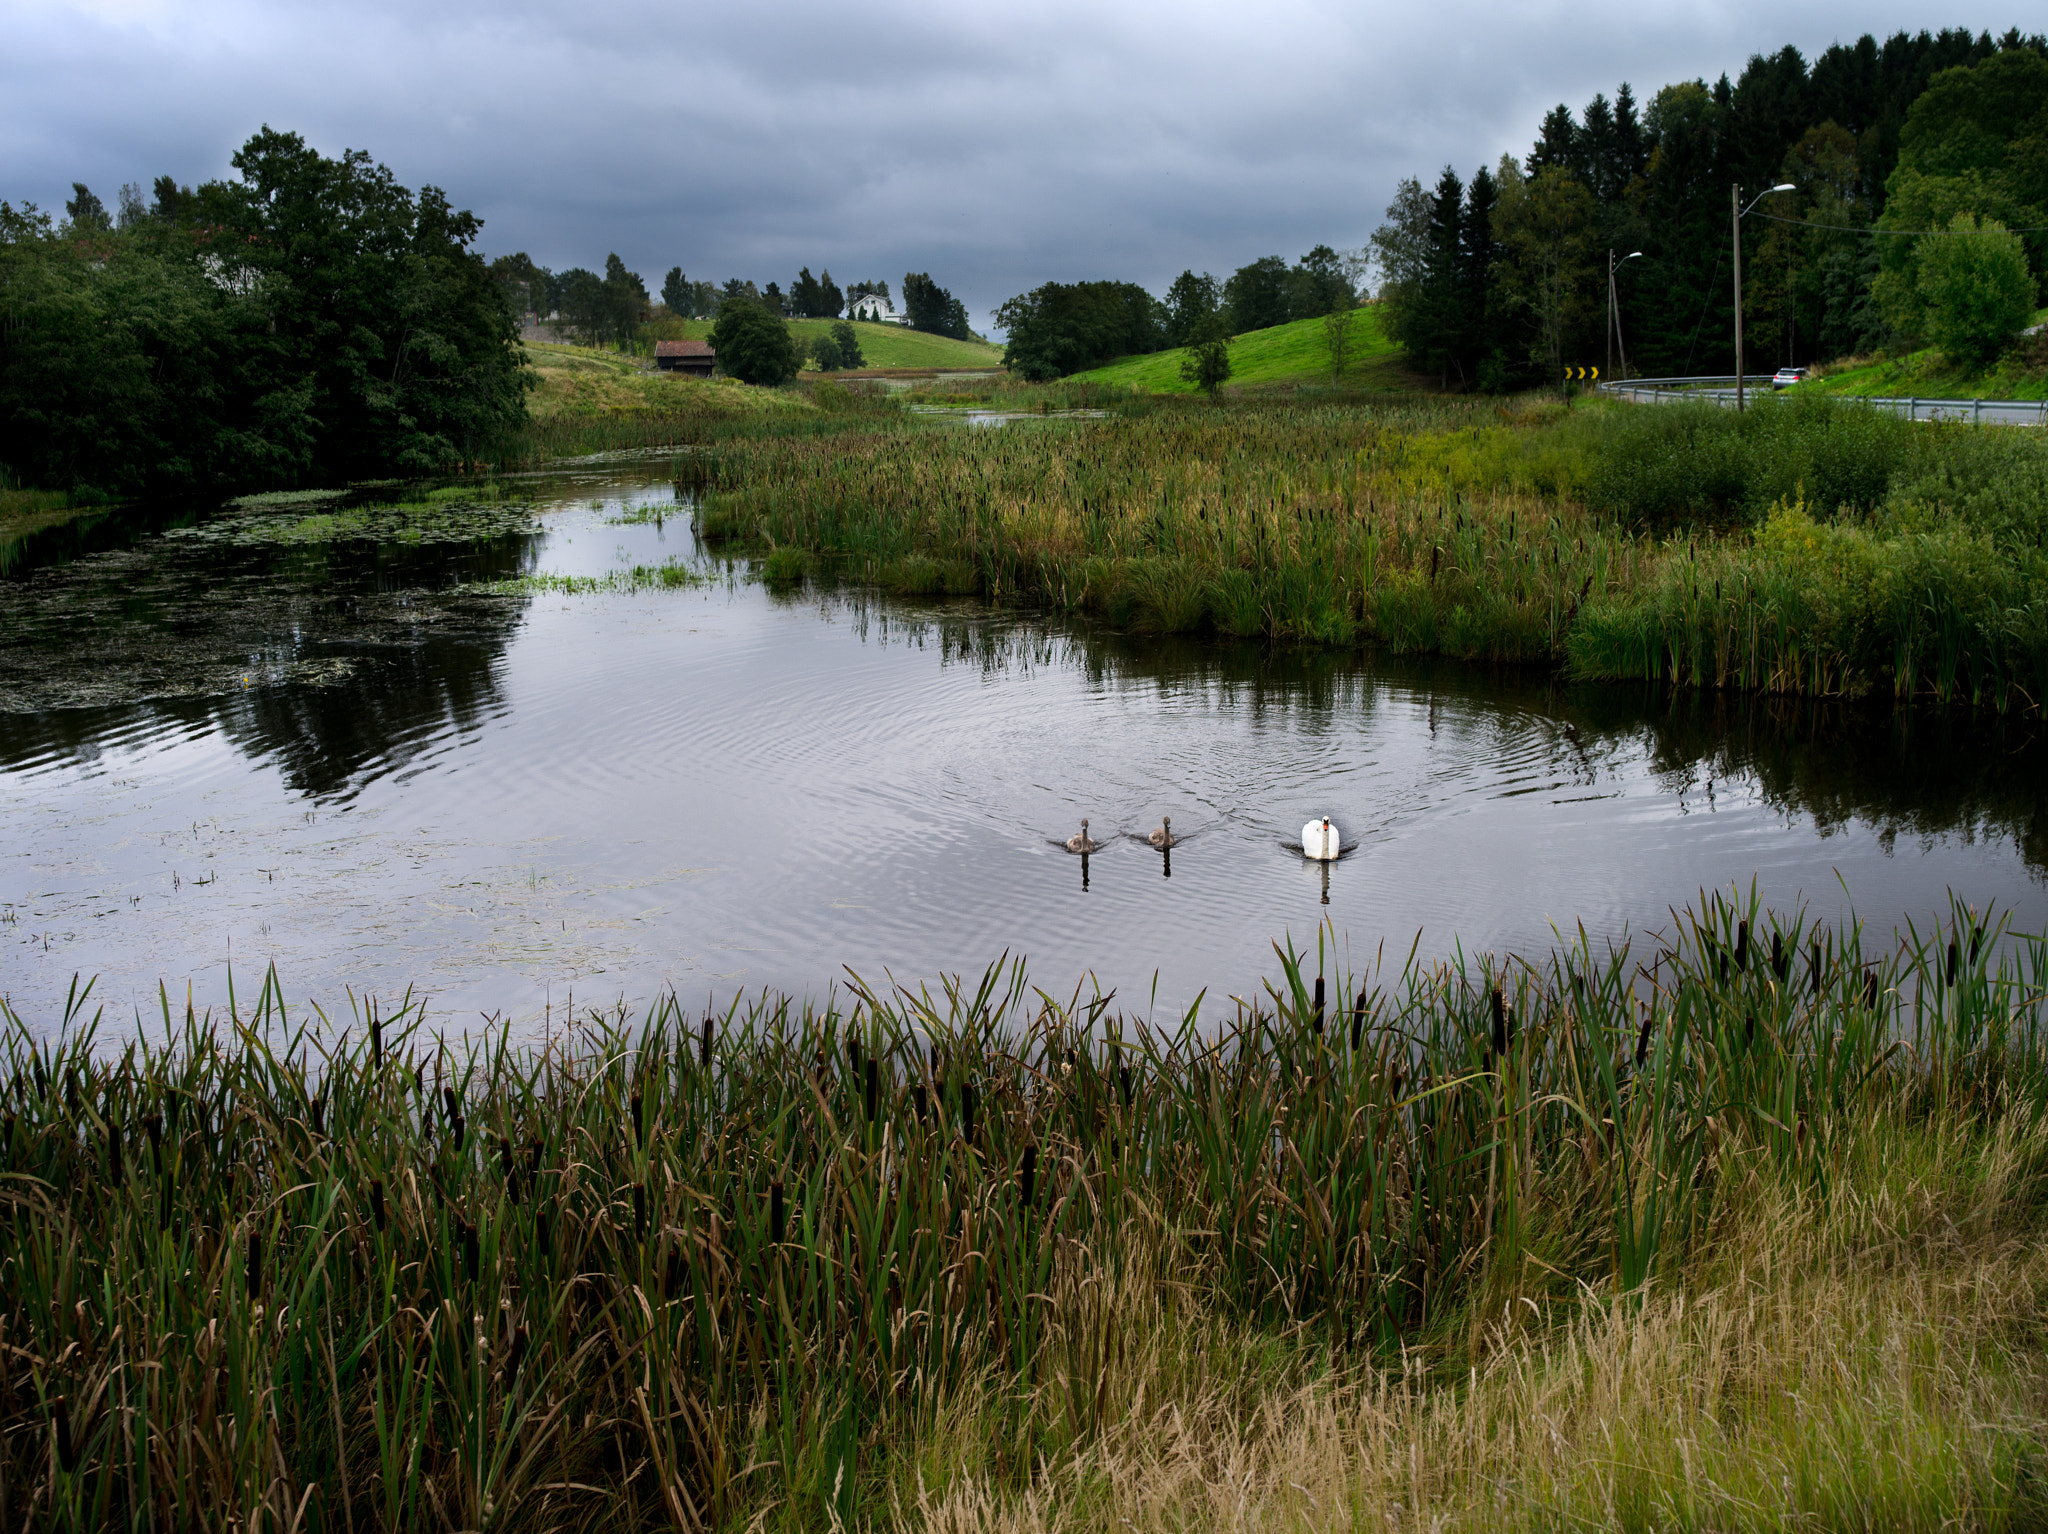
(506, 795)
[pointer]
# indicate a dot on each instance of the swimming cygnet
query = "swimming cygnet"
(1319, 840)
(1082, 842)
(1162, 834)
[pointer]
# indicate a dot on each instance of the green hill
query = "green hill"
(881, 346)
(1283, 354)
(2022, 373)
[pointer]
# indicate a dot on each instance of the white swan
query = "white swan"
(1082, 842)
(1162, 834)
(1320, 841)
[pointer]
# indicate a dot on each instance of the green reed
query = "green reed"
(279, 1269)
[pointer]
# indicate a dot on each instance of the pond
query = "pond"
(467, 748)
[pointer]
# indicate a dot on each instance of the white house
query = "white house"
(873, 306)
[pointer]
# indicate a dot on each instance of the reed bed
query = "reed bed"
(1617, 544)
(912, 1257)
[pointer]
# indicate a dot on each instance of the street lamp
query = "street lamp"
(1613, 326)
(1735, 206)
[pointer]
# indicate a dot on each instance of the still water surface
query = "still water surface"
(358, 760)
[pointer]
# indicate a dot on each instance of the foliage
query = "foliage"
(1259, 295)
(773, 1263)
(838, 348)
(1544, 224)
(1191, 303)
(1206, 363)
(309, 320)
(929, 307)
(1063, 327)
(754, 345)
(1975, 288)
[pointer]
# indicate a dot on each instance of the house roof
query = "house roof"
(684, 349)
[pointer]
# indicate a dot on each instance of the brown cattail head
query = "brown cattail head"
(467, 1234)
(1643, 1038)
(1500, 1023)
(376, 1037)
(1742, 945)
(1123, 1075)
(1781, 964)
(1028, 1176)
(874, 1085)
(1358, 1022)
(515, 1358)
(253, 1270)
(318, 1106)
(967, 1111)
(853, 1054)
(542, 1232)
(114, 1166)
(704, 1048)
(1870, 987)
(1315, 1020)
(776, 1213)
(1953, 956)
(917, 1096)
(639, 1106)
(67, 1450)
(451, 1105)
(459, 1125)
(639, 1210)
(377, 1202)
(1815, 967)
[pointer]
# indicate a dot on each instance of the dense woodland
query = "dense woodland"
(308, 321)
(1504, 279)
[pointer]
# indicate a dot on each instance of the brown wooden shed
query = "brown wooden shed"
(685, 357)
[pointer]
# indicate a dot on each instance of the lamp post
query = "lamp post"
(1738, 210)
(1613, 327)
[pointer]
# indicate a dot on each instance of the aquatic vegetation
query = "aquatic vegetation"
(449, 516)
(669, 575)
(800, 1263)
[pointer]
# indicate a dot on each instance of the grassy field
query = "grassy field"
(881, 346)
(1748, 1238)
(1285, 354)
(1803, 547)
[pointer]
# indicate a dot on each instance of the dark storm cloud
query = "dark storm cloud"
(994, 146)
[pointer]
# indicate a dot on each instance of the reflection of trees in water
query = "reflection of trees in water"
(1902, 771)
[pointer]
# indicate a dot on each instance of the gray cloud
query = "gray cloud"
(994, 147)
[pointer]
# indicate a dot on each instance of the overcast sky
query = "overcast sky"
(996, 146)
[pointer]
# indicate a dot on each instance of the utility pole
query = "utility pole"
(1735, 222)
(1610, 311)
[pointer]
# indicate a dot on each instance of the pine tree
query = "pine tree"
(830, 300)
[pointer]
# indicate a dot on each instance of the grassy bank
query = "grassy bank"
(1802, 547)
(2021, 372)
(1291, 354)
(881, 346)
(1745, 1235)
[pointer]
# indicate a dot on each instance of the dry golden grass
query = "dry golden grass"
(583, 381)
(1868, 1361)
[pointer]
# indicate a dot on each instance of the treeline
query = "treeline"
(309, 321)
(1914, 165)
(608, 309)
(1063, 327)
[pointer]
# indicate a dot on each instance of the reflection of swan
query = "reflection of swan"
(1082, 842)
(1162, 834)
(1319, 840)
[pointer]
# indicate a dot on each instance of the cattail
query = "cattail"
(114, 1167)
(1500, 1023)
(1394, 1084)
(511, 1169)
(639, 1210)
(377, 1202)
(1742, 946)
(1815, 967)
(917, 1096)
(71, 1090)
(319, 1107)
(1316, 1017)
(1870, 988)
(1436, 555)
(451, 1104)
(1722, 956)
(1976, 941)
(967, 1111)
(936, 1063)
(704, 1048)
(1781, 966)
(853, 1055)
(1123, 1076)
(1749, 1034)
(1643, 1038)
(67, 1451)
(1953, 956)
(516, 1358)
(542, 1231)
(469, 1250)
(776, 1213)
(1029, 1175)
(1357, 1022)
(874, 1085)
(460, 1125)
(254, 1270)
(376, 1039)
(639, 1105)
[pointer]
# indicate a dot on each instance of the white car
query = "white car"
(1785, 378)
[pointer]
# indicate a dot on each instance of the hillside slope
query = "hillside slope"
(1293, 353)
(881, 346)
(585, 382)
(2022, 373)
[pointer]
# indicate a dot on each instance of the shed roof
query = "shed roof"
(684, 349)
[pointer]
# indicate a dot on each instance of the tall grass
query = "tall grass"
(1619, 542)
(797, 1265)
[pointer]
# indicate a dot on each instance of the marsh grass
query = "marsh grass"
(1543, 1243)
(1805, 548)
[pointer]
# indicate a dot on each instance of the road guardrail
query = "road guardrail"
(1721, 391)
